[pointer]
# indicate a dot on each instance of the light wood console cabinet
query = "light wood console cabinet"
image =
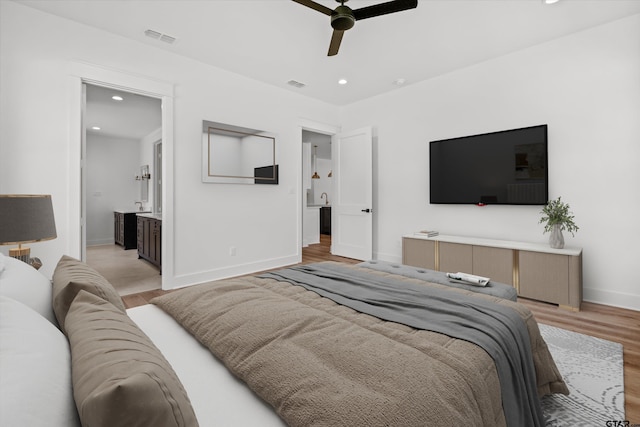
(536, 271)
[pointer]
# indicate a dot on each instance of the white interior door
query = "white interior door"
(352, 219)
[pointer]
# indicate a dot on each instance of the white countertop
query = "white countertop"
(131, 210)
(150, 215)
(506, 244)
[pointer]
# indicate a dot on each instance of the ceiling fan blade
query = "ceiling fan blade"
(315, 6)
(336, 38)
(384, 8)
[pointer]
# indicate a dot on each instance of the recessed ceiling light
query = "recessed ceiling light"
(117, 98)
(399, 82)
(342, 81)
(550, 1)
(95, 127)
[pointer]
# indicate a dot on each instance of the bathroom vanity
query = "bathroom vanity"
(149, 238)
(124, 227)
(325, 220)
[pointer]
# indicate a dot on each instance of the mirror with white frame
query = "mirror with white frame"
(237, 155)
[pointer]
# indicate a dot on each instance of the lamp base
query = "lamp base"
(21, 253)
(24, 255)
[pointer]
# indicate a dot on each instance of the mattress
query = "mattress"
(218, 398)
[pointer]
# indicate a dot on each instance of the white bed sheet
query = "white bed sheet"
(217, 397)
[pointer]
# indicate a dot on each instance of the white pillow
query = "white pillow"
(21, 282)
(35, 367)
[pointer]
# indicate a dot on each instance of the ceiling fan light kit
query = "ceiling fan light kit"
(344, 18)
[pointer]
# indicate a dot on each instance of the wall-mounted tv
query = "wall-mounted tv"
(501, 168)
(266, 175)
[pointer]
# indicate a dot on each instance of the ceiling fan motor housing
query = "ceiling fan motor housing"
(342, 18)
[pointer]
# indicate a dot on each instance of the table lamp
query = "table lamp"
(26, 218)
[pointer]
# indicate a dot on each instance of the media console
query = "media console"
(536, 271)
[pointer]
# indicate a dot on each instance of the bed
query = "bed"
(268, 351)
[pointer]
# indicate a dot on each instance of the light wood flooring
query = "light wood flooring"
(610, 323)
(123, 269)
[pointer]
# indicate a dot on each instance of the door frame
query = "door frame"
(317, 127)
(80, 74)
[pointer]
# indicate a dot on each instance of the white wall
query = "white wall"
(587, 88)
(112, 164)
(261, 222)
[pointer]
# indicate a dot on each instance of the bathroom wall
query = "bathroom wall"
(112, 164)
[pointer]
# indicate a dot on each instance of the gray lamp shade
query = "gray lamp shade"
(26, 218)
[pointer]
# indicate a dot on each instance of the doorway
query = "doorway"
(123, 131)
(317, 187)
(351, 187)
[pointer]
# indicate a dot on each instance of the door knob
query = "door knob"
(366, 210)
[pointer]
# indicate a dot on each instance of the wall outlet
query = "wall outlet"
(232, 250)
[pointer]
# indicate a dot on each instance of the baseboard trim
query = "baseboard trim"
(230, 271)
(388, 257)
(615, 299)
(101, 242)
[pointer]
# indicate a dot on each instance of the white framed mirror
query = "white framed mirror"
(237, 155)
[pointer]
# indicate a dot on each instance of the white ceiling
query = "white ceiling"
(134, 117)
(275, 41)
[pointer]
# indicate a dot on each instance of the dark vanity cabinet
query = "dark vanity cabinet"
(124, 225)
(149, 236)
(325, 220)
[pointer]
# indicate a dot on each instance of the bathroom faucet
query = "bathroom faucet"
(140, 209)
(326, 198)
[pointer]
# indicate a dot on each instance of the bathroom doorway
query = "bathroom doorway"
(123, 130)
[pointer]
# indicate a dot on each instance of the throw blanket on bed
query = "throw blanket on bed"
(492, 288)
(319, 363)
(497, 329)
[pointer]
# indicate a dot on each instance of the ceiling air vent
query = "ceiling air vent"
(167, 39)
(296, 84)
(159, 36)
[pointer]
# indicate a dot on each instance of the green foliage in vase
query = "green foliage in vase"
(556, 212)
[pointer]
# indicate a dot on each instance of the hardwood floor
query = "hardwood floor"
(610, 323)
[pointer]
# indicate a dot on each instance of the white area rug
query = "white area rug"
(593, 370)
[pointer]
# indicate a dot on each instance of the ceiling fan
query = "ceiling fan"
(344, 18)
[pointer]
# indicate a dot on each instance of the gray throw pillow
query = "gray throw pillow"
(120, 378)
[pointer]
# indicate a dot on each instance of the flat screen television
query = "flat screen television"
(500, 168)
(266, 175)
